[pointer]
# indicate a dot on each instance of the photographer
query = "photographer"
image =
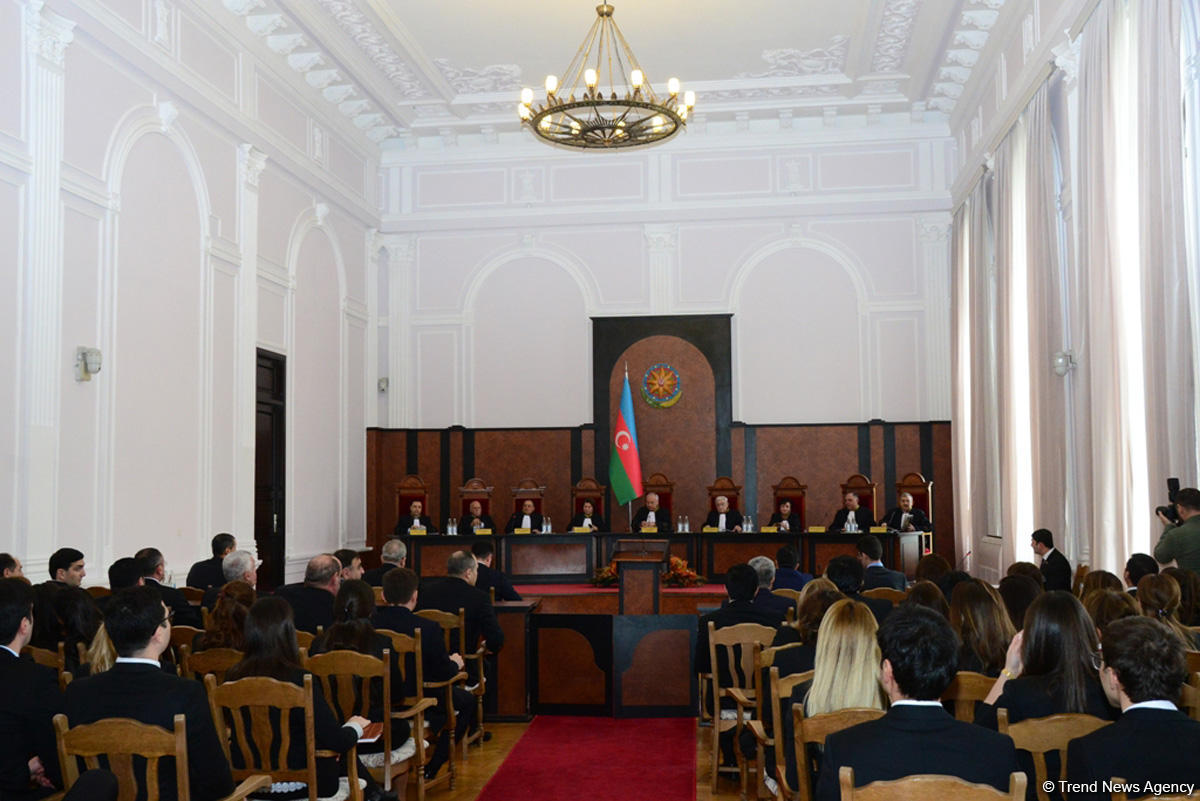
(1181, 541)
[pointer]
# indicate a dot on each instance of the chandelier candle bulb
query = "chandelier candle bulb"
(589, 77)
(689, 98)
(636, 79)
(673, 86)
(527, 96)
(551, 84)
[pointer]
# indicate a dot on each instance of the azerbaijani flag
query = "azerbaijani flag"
(624, 466)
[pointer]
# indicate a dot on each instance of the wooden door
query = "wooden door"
(269, 456)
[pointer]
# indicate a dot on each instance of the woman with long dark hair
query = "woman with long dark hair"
(983, 628)
(78, 620)
(271, 652)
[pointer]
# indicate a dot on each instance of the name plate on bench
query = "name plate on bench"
(710, 530)
(816, 529)
(416, 532)
(522, 531)
(652, 528)
(769, 529)
(581, 530)
(878, 529)
(483, 532)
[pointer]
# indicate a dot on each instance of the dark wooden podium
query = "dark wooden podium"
(639, 563)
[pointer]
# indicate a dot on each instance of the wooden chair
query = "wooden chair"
(527, 489)
(921, 788)
(182, 635)
(922, 493)
(724, 486)
(454, 628)
(735, 645)
(98, 591)
(215, 661)
(194, 595)
(814, 730)
(346, 678)
(664, 488)
(1122, 796)
(589, 489)
(122, 739)
(304, 639)
(1077, 583)
(764, 661)
(264, 748)
(476, 489)
(406, 490)
(56, 659)
(866, 490)
(1190, 697)
(967, 688)
(407, 650)
(1039, 736)
(781, 687)
(1193, 661)
(790, 489)
(887, 594)
(204, 616)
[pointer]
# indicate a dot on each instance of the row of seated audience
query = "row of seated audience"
(127, 668)
(1116, 654)
(723, 518)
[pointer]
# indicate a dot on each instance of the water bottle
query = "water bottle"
(749, 527)
(687, 527)
(452, 528)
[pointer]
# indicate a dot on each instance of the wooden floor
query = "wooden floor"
(483, 762)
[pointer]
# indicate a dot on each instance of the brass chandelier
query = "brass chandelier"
(604, 100)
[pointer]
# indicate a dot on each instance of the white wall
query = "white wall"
(827, 244)
(138, 217)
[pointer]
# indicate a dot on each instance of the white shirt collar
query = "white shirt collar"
(1152, 705)
(11, 651)
(915, 702)
(876, 563)
(134, 660)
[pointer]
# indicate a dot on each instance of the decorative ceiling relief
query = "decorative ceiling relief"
(895, 32)
(970, 36)
(359, 28)
(791, 63)
(492, 78)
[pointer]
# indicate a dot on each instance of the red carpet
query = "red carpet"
(599, 759)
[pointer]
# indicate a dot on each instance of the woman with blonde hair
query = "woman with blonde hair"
(1160, 598)
(846, 668)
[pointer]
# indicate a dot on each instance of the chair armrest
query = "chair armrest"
(248, 786)
(455, 679)
(760, 733)
(742, 697)
(415, 709)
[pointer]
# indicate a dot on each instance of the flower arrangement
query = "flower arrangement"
(605, 576)
(678, 574)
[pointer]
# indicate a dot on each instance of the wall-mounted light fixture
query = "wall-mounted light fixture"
(87, 363)
(1063, 362)
(382, 384)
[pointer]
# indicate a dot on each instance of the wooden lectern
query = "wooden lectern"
(639, 565)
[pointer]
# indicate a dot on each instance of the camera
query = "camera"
(1168, 511)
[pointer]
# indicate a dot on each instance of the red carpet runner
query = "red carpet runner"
(599, 759)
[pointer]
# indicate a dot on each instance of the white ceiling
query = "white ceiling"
(407, 67)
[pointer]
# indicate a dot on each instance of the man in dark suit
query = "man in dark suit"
(651, 514)
(870, 554)
(393, 554)
(236, 566)
(154, 571)
(1056, 570)
(526, 518)
(139, 625)
(1136, 567)
(476, 519)
(846, 573)
(1142, 669)
(588, 519)
(722, 518)
(67, 568)
(787, 574)
(124, 573)
(785, 519)
(741, 584)
(917, 735)
(400, 592)
(458, 591)
(29, 699)
(777, 605)
(312, 599)
(852, 516)
(414, 519)
(488, 577)
(905, 517)
(207, 572)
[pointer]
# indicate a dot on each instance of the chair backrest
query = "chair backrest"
(887, 594)
(182, 635)
(814, 730)
(1039, 736)
(1190, 697)
(967, 688)
(406, 652)
(120, 740)
(782, 687)
(454, 627)
(793, 595)
(588, 489)
(865, 489)
(1193, 661)
(920, 490)
(97, 591)
(734, 647)
(304, 639)
(408, 489)
(476, 489)
(1122, 795)
(724, 486)
(1077, 583)
(790, 489)
(923, 787)
(346, 678)
(56, 659)
(528, 489)
(664, 488)
(198, 664)
(193, 595)
(243, 708)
